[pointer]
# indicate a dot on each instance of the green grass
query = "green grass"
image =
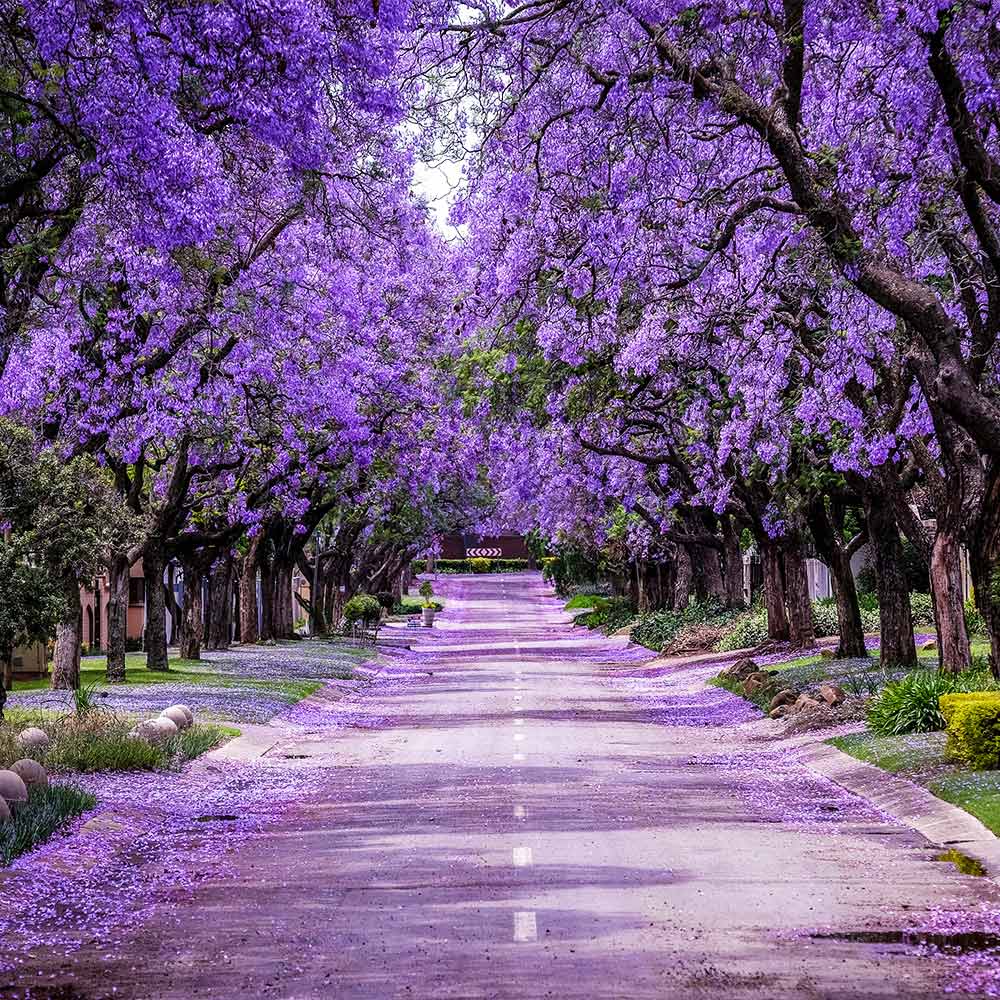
(582, 601)
(92, 670)
(103, 741)
(46, 811)
(896, 754)
(977, 792)
(921, 758)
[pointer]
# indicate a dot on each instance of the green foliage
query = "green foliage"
(466, 566)
(608, 614)
(426, 591)
(101, 741)
(46, 811)
(922, 609)
(362, 608)
(911, 704)
(659, 628)
(973, 721)
(84, 697)
(408, 606)
(750, 628)
(200, 738)
(973, 619)
(480, 565)
(30, 601)
(579, 601)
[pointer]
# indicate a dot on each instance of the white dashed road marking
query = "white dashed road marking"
(522, 857)
(525, 926)
(518, 737)
(520, 812)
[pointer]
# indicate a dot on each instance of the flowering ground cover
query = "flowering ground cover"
(251, 684)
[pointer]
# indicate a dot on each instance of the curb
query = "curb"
(940, 822)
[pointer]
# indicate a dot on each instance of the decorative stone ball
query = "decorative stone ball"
(4, 811)
(156, 730)
(31, 773)
(187, 711)
(33, 738)
(177, 716)
(13, 790)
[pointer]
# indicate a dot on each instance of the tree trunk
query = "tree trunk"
(801, 630)
(949, 603)
(683, 578)
(220, 600)
(774, 592)
(170, 598)
(153, 565)
(117, 619)
(984, 561)
(734, 564)
(192, 625)
(66, 659)
(266, 602)
(248, 594)
(845, 592)
(281, 583)
(828, 535)
(710, 566)
(897, 645)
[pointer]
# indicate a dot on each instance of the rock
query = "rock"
(31, 773)
(785, 697)
(827, 653)
(756, 682)
(780, 711)
(187, 711)
(13, 790)
(832, 694)
(4, 811)
(177, 716)
(805, 703)
(929, 645)
(741, 669)
(33, 738)
(156, 730)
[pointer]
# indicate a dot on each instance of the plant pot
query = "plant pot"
(428, 616)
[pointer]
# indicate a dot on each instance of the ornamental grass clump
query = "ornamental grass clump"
(48, 808)
(911, 704)
(973, 725)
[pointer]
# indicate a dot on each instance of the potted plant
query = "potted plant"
(426, 591)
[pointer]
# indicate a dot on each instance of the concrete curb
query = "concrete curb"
(911, 804)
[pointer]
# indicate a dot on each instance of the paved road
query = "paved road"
(517, 827)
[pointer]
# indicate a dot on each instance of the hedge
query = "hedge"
(973, 722)
(475, 565)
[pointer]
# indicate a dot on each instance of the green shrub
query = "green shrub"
(418, 566)
(579, 601)
(973, 619)
(480, 565)
(466, 565)
(922, 609)
(749, 629)
(362, 608)
(973, 721)
(912, 703)
(659, 628)
(46, 811)
(609, 614)
(426, 591)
